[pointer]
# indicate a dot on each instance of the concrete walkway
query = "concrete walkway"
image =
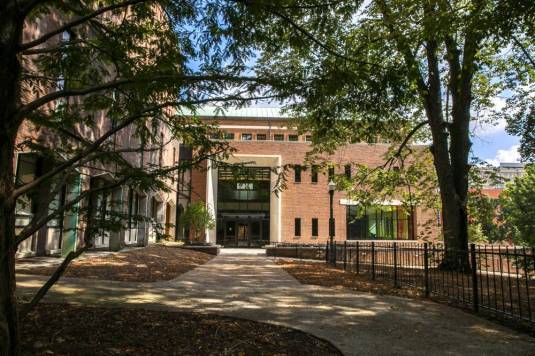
(254, 287)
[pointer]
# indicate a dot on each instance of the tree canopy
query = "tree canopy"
(76, 75)
(517, 208)
(358, 70)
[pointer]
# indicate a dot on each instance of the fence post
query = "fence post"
(395, 265)
(526, 275)
(345, 255)
(475, 291)
(357, 257)
(334, 253)
(373, 260)
(327, 252)
(297, 251)
(426, 269)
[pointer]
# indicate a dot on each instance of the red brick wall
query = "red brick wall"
(308, 200)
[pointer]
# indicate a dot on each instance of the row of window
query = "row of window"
(297, 227)
(260, 137)
(314, 173)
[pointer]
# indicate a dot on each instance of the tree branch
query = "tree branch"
(35, 226)
(62, 46)
(524, 50)
(77, 22)
(403, 144)
(96, 144)
(310, 36)
(51, 281)
(404, 49)
(26, 109)
(25, 188)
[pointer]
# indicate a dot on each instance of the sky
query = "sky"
(493, 145)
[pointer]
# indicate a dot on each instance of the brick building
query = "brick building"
(249, 213)
(65, 233)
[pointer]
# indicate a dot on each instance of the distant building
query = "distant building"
(497, 178)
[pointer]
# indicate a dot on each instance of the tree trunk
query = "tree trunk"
(451, 162)
(8, 307)
(10, 71)
(8, 311)
(455, 231)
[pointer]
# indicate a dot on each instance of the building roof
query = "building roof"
(493, 193)
(511, 165)
(247, 112)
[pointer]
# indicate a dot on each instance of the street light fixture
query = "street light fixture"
(332, 257)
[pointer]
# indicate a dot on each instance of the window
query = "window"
(260, 137)
(293, 138)
(331, 173)
(314, 174)
(308, 138)
(347, 171)
(246, 137)
(315, 227)
(382, 222)
(297, 174)
(229, 136)
(278, 137)
(297, 227)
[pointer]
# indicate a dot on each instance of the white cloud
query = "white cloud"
(483, 125)
(508, 155)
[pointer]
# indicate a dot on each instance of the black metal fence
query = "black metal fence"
(496, 279)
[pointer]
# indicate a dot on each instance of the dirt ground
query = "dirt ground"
(321, 274)
(62, 329)
(150, 264)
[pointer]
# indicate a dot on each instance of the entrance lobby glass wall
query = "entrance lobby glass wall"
(383, 223)
(243, 207)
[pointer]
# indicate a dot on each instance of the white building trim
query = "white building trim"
(394, 202)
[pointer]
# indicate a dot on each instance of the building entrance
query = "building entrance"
(243, 207)
(243, 231)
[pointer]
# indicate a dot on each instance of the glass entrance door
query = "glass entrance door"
(243, 234)
(246, 232)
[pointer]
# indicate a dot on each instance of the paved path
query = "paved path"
(254, 287)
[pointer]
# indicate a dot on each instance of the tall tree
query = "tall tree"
(517, 209)
(356, 70)
(74, 75)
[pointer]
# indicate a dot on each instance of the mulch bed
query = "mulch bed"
(321, 274)
(63, 329)
(150, 264)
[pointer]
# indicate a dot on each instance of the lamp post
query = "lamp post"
(331, 186)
